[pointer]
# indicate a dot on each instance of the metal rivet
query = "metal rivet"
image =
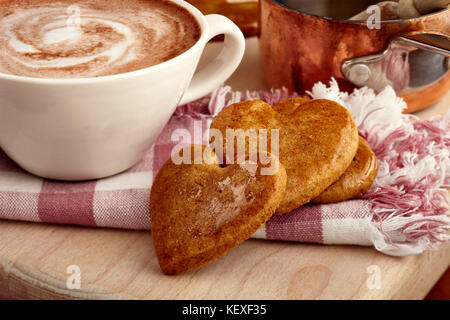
(358, 74)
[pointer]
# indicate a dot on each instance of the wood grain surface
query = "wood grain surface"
(122, 264)
(117, 264)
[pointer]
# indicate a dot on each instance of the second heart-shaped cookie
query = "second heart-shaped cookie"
(199, 210)
(317, 141)
(356, 180)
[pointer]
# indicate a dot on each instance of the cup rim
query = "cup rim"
(198, 16)
(353, 21)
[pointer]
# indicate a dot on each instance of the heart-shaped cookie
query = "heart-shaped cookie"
(356, 180)
(201, 211)
(358, 177)
(318, 140)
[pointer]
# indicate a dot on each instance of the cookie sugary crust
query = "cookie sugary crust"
(318, 140)
(201, 211)
(356, 180)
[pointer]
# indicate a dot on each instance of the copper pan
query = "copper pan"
(298, 49)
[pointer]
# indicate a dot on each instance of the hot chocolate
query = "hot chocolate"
(91, 38)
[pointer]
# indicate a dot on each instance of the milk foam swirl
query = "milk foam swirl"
(58, 40)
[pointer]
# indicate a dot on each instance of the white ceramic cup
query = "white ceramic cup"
(89, 128)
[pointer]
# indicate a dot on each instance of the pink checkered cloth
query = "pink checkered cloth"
(403, 213)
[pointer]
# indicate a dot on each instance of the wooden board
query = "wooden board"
(122, 264)
(116, 264)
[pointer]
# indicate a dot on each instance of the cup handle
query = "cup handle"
(221, 67)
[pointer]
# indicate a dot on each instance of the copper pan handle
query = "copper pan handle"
(430, 33)
(407, 65)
